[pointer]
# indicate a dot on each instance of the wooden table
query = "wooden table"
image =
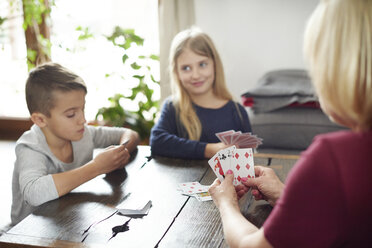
(174, 219)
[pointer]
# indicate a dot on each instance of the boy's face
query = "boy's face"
(66, 121)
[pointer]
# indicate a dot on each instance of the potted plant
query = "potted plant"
(142, 119)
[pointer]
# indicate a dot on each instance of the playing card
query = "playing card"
(252, 144)
(203, 196)
(243, 137)
(227, 138)
(190, 188)
(247, 140)
(221, 135)
(242, 164)
(234, 137)
(215, 164)
(225, 157)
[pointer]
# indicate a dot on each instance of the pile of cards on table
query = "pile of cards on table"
(239, 139)
(239, 160)
(196, 190)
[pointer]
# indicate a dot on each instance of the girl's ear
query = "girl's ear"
(39, 119)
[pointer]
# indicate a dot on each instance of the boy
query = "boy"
(55, 155)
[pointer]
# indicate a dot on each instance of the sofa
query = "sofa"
(285, 112)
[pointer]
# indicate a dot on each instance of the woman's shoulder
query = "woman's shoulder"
(344, 137)
(341, 143)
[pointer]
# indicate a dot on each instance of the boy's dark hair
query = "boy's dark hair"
(44, 80)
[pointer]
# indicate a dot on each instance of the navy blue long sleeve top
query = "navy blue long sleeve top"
(169, 140)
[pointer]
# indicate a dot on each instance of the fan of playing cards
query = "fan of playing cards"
(239, 160)
(239, 139)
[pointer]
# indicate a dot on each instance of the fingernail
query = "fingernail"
(244, 179)
(229, 172)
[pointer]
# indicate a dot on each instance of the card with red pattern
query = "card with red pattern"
(242, 164)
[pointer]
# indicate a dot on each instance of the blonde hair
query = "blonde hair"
(338, 47)
(200, 43)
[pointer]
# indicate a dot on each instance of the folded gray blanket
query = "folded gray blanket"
(277, 89)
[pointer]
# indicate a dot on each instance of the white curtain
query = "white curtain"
(174, 16)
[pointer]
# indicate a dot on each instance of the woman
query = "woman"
(326, 201)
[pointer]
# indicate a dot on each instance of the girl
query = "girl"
(326, 201)
(200, 105)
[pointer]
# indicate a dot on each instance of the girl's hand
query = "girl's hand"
(213, 148)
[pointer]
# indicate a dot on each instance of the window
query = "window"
(93, 59)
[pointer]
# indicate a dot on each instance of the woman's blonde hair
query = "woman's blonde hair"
(338, 47)
(200, 43)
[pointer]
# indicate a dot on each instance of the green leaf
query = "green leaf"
(140, 77)
(154, 57)
(31, 55)
(135, 66)
(128, 35)
(153, 79)
(124, 58)
(127, 43)
(2, 20)
(84, 33)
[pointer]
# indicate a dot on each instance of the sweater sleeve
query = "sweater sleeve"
(35, 180)
(166, 141)
(105, 136)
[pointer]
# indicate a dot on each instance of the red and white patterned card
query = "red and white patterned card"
(239, 139)
(216, 166)
(242, 164)
(190, 188)
(240, 161)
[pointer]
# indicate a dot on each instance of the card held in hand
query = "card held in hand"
(225, 157)
(242, 164)
(215, 164)
(240, 161)
(241, 140)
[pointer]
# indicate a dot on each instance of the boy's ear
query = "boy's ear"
(39, 119)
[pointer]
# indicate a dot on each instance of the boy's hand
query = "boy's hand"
(112, 158)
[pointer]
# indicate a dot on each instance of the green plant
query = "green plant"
(35, 23)
(142, 119)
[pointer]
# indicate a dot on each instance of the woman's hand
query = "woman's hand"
(241, 190)
(266, 185)
(224, 193)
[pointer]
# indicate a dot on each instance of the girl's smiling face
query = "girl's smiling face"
(195, 73)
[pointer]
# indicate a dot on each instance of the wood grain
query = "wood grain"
(174, 219)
